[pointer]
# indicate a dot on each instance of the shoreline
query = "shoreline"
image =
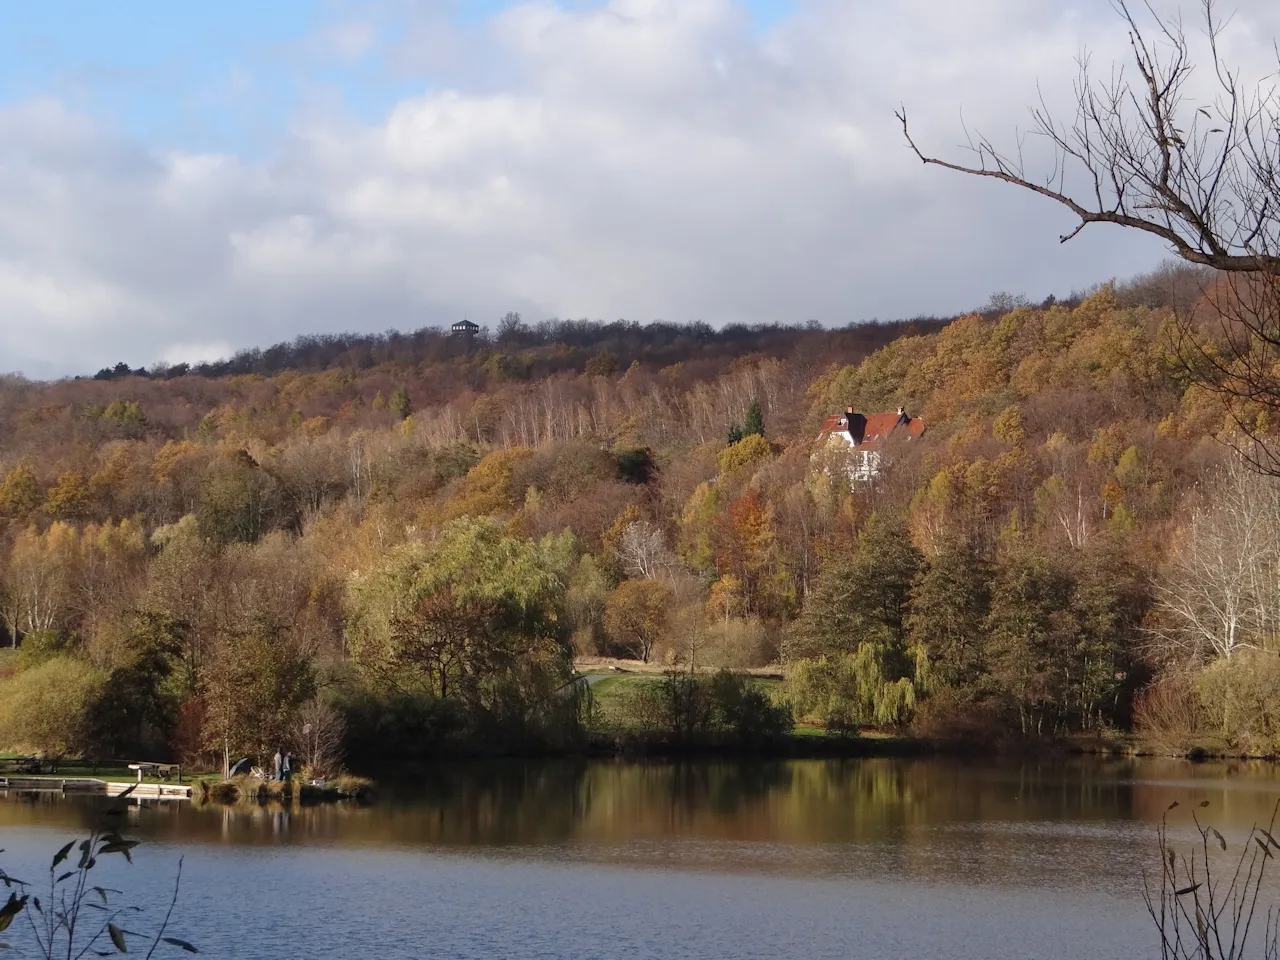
(252, 790)
(664, 747)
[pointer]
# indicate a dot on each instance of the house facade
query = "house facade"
(867, 435)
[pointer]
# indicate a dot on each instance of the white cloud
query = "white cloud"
(648, 159)
(351, 40)
(196, 352)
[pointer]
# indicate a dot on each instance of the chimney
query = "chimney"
(902, 413)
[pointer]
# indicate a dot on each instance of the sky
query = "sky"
(178, 181)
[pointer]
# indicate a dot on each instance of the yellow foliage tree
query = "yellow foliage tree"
(70, 498)
(747, 452)
(19, 493)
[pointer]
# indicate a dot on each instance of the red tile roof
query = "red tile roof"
(872, 429)
(831, 424)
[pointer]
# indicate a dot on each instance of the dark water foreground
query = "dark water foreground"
(870, 858)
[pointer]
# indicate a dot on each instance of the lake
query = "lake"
(869, 858)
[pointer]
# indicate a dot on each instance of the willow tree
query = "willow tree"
(475, 617)
(1199, 169)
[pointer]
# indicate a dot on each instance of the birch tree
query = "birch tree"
(1219, 592)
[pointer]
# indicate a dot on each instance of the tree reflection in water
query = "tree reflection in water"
(1081, 821)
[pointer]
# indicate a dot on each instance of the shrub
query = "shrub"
(40, 646)
(398, 728)
(1167, 715)
(686, 706)
(736, 643)
(741, 708)
(678, 704)
(1241, 697)
(46, 708)
(955, 715)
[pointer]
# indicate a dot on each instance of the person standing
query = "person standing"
(277, 765)
(287, 766)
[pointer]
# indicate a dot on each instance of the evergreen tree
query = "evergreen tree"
(949, 602)
(1107, 602)
(754, 423)
(735, 434)
(862, 596)
(1030, 636)
(399, 403)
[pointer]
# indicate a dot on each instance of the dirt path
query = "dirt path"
(606, 666)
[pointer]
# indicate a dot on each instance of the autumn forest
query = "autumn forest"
(412, 538)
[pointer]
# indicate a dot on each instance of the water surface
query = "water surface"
(813, 859)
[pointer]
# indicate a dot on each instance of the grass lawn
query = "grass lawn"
(809, 730)
(610, 691)
(613, 685)
(115, 773)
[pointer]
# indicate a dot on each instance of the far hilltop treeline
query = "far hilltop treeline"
(410, 555)
(542, 349)
(621, 342)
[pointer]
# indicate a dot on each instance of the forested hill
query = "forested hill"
(346, 381)
(430, 534)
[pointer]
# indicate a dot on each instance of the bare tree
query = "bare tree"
(1201, 172)
(643, 551)
(1220, 590)
(318, 733)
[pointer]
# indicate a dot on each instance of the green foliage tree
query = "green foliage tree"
(853, 663)
(137, 707)
(860, 596)
(1109, 595)
(476, 617)
(252, 691)
(47, 708)
(1030, 636)
(239, 501)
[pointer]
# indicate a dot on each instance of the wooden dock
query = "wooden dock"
(92, 785)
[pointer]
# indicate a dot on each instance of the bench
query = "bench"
(165, 771)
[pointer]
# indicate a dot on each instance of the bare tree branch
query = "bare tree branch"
(1200, 176)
